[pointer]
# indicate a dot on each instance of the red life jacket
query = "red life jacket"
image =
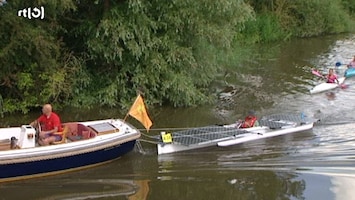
(249, 121)
(331, 78)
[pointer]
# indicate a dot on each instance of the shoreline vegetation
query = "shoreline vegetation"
(89, 53)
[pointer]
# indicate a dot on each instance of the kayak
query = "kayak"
(327, 86)
(349, 72)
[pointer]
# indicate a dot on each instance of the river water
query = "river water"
(316, 164)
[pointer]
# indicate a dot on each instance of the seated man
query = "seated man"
(250, 120)
(49, 125)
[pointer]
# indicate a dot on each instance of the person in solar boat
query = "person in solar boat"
(352, 63)
(250, 120)
(49, 126)
(332, 77)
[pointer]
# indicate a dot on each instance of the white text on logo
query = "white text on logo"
(32, 13)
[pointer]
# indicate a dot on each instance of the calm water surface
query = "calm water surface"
(316, 164)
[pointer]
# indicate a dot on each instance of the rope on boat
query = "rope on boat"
(148, 136)
(147, 141)
(140, 147)
(163, 129)
(170, 129)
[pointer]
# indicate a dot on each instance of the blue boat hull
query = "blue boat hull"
(37, 168)
(349, 72)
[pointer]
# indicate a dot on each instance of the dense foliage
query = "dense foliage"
(102, 52)
(281, 19)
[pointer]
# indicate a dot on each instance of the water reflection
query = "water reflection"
(330, 95)
(238, 182)
(325, 185)
(343, 187)
(143, 191)
(78, 189)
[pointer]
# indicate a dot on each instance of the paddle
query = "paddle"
(338, 64)
(343, 86)
(315, 72)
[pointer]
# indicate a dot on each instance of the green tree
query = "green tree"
(315, 17)
(34, 66)
(281, 19)
(160, 48)
(102, 52)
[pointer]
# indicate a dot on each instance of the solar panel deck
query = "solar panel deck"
(205, 134)
(215, 133)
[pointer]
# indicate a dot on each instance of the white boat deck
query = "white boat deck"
(106, 132)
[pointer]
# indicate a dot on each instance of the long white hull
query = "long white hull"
(228, 135)
(326, 86)
(256, 135)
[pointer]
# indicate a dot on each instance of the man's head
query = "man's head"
(47, 109)
(251, 112)
(331, 71)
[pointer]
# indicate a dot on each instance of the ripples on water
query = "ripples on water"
(333, 144)
(329, 149)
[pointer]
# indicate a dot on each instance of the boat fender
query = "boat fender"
(259, 133)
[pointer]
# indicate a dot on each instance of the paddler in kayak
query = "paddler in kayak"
(352, 63)
(250, 121)
(331, 77)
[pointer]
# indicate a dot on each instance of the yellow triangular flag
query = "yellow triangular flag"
(139, 112)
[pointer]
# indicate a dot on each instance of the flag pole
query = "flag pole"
(124, 119)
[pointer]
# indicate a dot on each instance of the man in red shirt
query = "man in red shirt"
(49, 125)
